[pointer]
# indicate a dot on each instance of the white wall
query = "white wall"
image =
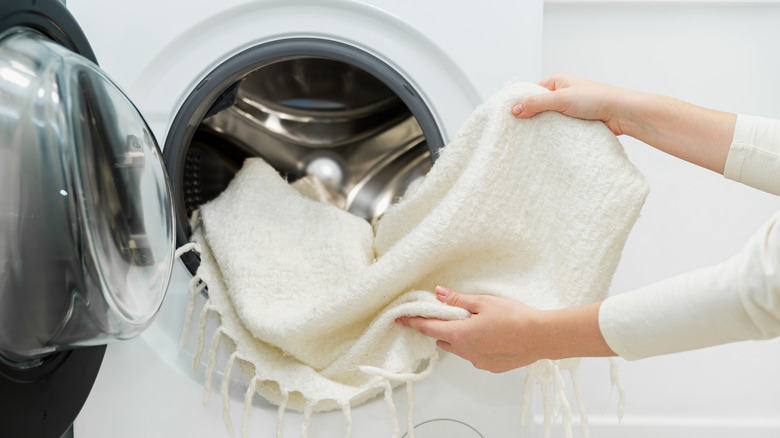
(719, 55)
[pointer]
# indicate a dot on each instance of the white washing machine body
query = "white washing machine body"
(453, 55)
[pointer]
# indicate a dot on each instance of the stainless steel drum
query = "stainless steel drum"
(310, 116)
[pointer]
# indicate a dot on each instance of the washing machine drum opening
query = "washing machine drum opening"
(358, 132)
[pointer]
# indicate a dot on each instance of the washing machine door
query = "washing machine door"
(86, 225)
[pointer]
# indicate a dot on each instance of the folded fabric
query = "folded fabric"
(536, 210)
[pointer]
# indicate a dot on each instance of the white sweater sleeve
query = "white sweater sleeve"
(754, 155)
(733, 301)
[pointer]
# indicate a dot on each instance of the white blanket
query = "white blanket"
(536, 210)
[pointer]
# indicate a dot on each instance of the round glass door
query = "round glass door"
(86, 224)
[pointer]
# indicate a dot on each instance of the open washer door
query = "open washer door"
(86, 223)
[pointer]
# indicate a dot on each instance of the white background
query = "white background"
(718, 55)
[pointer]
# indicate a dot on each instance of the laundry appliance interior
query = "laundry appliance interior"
(359, 94)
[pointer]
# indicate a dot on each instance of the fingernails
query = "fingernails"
(442, 291)
(517, 109)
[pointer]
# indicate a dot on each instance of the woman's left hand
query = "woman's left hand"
(503, 334)
(496, 337)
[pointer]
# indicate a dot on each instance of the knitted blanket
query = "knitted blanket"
(536, 210)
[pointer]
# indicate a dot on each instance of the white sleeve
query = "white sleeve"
(754, 156)
(734, 301)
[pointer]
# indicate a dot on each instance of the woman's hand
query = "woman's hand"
(495, 336)
(695, 134)
(577, 98)
(504, 334)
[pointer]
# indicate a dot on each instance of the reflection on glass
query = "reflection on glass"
(86, 227)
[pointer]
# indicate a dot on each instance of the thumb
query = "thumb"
(452, 298)
(536, 104)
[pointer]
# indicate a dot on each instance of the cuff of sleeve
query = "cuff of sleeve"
(754, 155)
(609, 329)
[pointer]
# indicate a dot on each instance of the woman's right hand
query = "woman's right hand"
(695, 134)
(578, 98)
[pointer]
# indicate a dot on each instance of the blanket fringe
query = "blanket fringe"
(225, 396)
(248, 396)
(527, 388)
(548, 404)
(345, 407)
(282, 410)
(409, 409)
(307, 411)
(614, 377)
(201, 335)
(575, 383)
(402, 377)
(196, 286)
(561, 401)
(409, 379)
(392, 409)
(187, 247)
(212, 364)
(547, 373)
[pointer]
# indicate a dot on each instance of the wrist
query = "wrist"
(698, 135)
(571, 332)
(630, 109)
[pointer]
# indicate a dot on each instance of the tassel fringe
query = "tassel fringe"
(307, 411)
(527, 387)
(345, 407)
(547, 402)
(225, 395)
(196, 286)
(409, 409)
(212, 365)
(409, 378)
(614, 377)
(282, 409)
(547, 373)
(187, 247)
(201, 335)
(248, 396)
(575, 383)
(392, 409)
(561, 401)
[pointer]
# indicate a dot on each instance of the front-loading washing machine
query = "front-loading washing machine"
(361, 94)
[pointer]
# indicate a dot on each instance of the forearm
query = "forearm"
(698, 135)
(695, 134)
(572, 332)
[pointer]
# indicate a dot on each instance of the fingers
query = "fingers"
(538, 103)
(556, 82)
(446, 346)
(433, 328)
(533, 105)
(441, 329)
(445, 332)
(452, 298)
